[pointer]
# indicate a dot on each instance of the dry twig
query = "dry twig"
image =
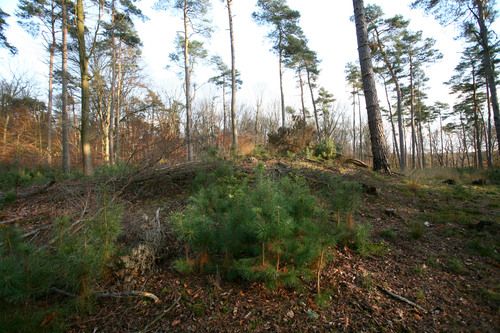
(402, 299)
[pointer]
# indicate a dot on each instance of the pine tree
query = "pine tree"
(45, 13)
(480, 14)
(194, 20)
(385, 35)
(85, 90)
(285, 23)
(353, 78)
(465, 85)
(223, 80)
(378, 143)
(3, 39)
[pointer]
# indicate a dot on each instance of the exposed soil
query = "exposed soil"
(423, 231)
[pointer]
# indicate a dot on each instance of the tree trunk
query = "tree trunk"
(360, 129)
(420, 131)
(489, 138)
(412, 118)
(430, 143)
(66, 161)
(116, 132)
(301, 84)
(52, 50)
(85, 91)
(234, 128)
(282, 94)
(402, 145)
(393, 128)
(380, 161)
(489, 67)
(354, 92)
(441, 135)
(477, 134)
(313, 102)
(113, 88)
(187, 79)
(5, 129)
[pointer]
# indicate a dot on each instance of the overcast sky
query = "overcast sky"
(325, 23)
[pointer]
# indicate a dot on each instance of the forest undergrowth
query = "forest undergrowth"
(304, 244)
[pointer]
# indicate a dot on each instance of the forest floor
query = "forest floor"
(435, 238)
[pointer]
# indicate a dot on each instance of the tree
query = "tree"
(234, 133)
(417, 52)
(66, 158)
(194, 20)
(3, 39)
(325, 101)
(45, 12)
(85, 89)
(119, 31)
(284, 21)
(378, 143)
(465, 85)
(386, 33)
(480, 14)
(353, 78)
(223, 79)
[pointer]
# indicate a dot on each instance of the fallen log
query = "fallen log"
(356, 162)
(101, 294)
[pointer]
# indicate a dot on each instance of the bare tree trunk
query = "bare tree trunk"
(85, 91)
(464, 140)
(389, 106)
(378, 143)
(117, 113)
(66, 161)
(420, 133)
(234, 128)
(224, 117)
(52, 50)
(489, 138)
(113, 88)
(187, 86)
(430, 144)
(441, 135)
(360, 129)
(402, 145)
(313, 101)
(282, 94)
(477, 130)
(412, 118)
(301, 84)
(489, 67)
(5, 129)
(353, 121)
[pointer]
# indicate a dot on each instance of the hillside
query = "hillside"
(431, 261)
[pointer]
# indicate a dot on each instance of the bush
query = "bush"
(342, 196)
(270, 231)
(325, 149)
(117, 170)
(13, 178)
(494, 176)
(76, 263)
(291, 139)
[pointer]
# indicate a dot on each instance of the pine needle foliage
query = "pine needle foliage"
(75, 264)
(260, 230)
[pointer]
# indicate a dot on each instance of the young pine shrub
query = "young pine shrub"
(271, 231)
(325, 149)
(343, 197)
(74, 265)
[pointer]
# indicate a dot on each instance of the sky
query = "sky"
(326, 24)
